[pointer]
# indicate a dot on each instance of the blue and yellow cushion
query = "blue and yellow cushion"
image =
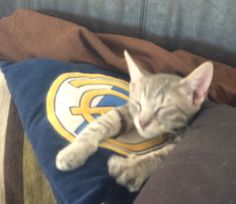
(76, 99)
(55, 100)
(35, 86)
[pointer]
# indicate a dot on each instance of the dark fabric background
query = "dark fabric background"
(27, 34)
(202, 168)
(203, 27)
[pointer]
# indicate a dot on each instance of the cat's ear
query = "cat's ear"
(136, 74)
(200, 80)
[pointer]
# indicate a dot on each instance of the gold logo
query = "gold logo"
(73, 100)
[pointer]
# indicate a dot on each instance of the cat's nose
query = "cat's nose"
(144, 122)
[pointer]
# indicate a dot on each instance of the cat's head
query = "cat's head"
(162, 103)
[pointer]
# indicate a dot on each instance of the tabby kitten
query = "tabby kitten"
(158, 104)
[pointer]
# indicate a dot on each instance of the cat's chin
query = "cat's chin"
(147, 134)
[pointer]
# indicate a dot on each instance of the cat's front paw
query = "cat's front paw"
(74, 155)
(127, 172)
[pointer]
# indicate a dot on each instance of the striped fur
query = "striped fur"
(158, 104)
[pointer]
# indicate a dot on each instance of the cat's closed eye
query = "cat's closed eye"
(137, 106)
(157, 110)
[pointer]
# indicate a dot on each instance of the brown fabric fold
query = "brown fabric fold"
(27, 34)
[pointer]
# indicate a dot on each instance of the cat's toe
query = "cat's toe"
(115, 165)
(74, 156)
(126, 172)
(66, 161)
(131, 179)
(61, 163)
(134, 185)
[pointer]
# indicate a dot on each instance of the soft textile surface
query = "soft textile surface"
(28, 34)
(23, 181)
(13, 158)
(4, 112)
(90, 183)
(202, 168)
(206, 27)
(36, 187)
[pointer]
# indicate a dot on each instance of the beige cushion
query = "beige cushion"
(4, 112)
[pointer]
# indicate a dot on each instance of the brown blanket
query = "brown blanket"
(28, 34)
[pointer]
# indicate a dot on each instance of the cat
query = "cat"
(158, 104)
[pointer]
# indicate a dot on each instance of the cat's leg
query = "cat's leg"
(108, 125)
(134, 170)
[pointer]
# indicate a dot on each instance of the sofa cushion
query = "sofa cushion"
(202, 168)
(32, 85)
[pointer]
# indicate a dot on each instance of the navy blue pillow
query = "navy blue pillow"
(42, 90)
